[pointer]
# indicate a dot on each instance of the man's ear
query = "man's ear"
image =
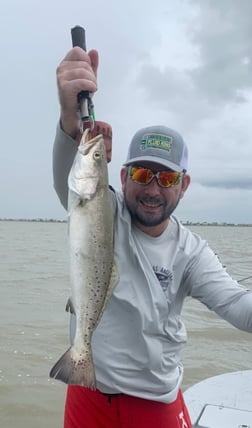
(124, 173)
(185, 183)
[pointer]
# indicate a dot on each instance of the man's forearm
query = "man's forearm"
(64, 151)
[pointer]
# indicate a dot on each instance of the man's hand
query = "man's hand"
(77, 72)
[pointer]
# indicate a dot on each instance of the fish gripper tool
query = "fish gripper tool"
(84, 97)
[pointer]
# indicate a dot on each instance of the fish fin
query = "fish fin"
(70, 306)
(75, 368)
(73, 201)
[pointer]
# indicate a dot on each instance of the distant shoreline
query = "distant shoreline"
(186, 223)
(34, 220)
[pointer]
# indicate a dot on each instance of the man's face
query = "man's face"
(151, 205)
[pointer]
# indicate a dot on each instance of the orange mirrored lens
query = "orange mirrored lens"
(141, 175)
(168, 178)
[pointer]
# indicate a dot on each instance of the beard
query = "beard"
(149, 211)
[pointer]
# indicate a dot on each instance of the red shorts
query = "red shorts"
(92, 409)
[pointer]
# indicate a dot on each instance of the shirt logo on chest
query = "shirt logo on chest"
(165, 277)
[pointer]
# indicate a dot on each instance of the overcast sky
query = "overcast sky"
(186, 64)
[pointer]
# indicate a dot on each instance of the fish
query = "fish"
(93, 273)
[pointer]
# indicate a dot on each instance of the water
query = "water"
(34, 326)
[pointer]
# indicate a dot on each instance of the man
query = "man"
(138, 343)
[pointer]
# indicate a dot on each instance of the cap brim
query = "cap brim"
(155, 159)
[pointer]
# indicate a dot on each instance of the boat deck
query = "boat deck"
(223, 401)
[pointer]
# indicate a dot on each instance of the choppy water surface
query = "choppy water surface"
(34, 287)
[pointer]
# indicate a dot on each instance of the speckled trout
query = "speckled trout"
(92, 270)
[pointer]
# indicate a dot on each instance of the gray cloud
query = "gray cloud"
(167, 62)
(222, 32)
(227, 183)
(224, 174)
(220, 69)
(202, 203)
(173, 90)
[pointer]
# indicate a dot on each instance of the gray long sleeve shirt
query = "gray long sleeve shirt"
(138, 342)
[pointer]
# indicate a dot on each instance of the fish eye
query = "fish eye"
(97, 155)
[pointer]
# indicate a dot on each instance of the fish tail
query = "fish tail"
(75, 368)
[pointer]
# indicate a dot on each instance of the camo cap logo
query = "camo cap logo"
(156, 141)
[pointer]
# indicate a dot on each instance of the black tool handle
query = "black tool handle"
(79, 39)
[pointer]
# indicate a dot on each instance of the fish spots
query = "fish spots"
(91, 255)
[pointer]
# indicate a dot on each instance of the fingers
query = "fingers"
(78, 54)
(79, 69)
(94, 60)
(74, 76)
(77, 72)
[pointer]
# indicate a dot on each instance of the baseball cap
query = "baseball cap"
(158, 144)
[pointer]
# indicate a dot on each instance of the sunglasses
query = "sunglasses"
(142, 175)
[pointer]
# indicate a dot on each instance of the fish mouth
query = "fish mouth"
(86, 145)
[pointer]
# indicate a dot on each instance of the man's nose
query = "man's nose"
(153, 187)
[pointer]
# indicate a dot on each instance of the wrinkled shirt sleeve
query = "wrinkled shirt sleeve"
(64, 151)
(213, 286)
